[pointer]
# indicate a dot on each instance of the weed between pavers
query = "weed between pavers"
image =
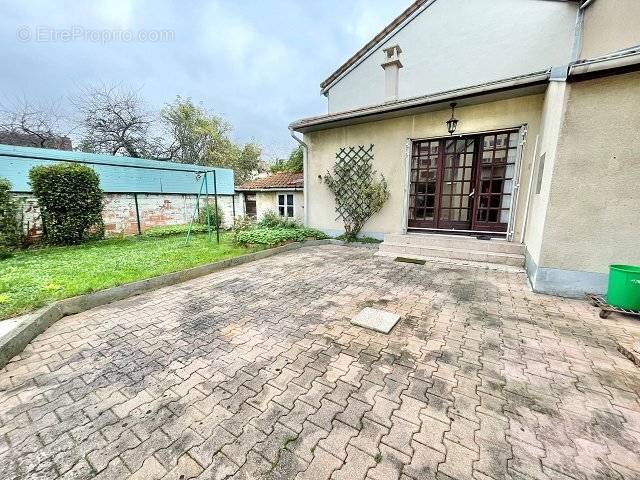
(284, 446)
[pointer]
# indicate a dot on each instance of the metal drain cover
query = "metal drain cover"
(374, 319)
(410, 260)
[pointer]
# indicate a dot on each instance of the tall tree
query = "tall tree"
(114, 120)
(202, 138)
(292, 164)
(195, 134)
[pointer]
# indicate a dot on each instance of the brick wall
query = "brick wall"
(119, 212)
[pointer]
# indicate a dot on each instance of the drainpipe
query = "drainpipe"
(305, 169)
(586, 4)
(528, 202)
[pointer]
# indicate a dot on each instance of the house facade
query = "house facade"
(281, 193)
(545, 156)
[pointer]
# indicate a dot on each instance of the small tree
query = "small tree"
(292, 164)
(215, 214)
(70, 200)
(358, 194)
(9, 226)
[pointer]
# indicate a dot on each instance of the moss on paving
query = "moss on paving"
(34, 278)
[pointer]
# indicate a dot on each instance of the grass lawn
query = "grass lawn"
(34, 278)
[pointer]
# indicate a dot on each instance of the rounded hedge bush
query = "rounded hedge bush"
(70, 201)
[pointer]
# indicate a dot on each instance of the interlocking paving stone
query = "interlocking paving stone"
(257, 373)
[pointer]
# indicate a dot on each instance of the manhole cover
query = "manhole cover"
(374, 319)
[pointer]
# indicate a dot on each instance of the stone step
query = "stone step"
(449, 261)
(458, 242)
(413, 250)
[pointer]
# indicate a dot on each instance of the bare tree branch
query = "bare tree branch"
(114, 120)
(25, 123)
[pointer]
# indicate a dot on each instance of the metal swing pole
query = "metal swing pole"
(208, 212)
(195, 209)
(218, 217)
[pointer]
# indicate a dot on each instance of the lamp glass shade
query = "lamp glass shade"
(452, 123)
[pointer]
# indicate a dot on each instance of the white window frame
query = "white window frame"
(285, 206)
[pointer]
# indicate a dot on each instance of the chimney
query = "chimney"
(391, 66)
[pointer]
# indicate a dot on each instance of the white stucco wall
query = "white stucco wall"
(268, 201)
(610, 25)
(551, 123)
(458, 43)
(594, 204)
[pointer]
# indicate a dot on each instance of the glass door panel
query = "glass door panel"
(494, 186)
(456, 201)
(423, 189)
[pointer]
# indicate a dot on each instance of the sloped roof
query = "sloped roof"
(396, 22)
(373, 42)
(277, 181)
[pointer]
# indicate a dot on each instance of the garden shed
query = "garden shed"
(139, 193)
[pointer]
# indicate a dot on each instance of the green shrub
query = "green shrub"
(271, 219)
(216, 216)
(70, 201)
(9, 225)
(276, 236)
(174, 230)
(346, 238)
(242, 222)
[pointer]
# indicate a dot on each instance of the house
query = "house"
(57, 142)
(544, 160)
(280, 192)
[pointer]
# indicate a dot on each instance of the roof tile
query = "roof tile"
(280, 180)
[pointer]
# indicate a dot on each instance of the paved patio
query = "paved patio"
(255, 372)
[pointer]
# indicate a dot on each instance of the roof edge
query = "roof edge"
(445, 96)
(406, 16)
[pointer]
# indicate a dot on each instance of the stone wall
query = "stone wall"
(119, 211)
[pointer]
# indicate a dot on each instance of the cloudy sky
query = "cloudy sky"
(258, 63)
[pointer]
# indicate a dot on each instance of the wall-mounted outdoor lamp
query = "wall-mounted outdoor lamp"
(452, 123)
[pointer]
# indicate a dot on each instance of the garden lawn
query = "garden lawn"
(34, 278)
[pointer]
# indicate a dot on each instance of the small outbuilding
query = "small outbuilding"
(281, 192)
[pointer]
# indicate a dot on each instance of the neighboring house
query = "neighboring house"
(280, 193)
(33, 140)
(545, 159)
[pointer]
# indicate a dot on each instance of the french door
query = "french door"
(463, 183)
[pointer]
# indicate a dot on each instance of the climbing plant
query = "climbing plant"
(358, 193)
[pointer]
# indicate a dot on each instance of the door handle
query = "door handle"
(473, 192)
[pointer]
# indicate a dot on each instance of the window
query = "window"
(250, 208)
(285, 204)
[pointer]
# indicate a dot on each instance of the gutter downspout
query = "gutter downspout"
(577, 35)
(528, 202)
(586, 4)
(305, 170)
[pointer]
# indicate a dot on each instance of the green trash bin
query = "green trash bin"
(624, 287)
